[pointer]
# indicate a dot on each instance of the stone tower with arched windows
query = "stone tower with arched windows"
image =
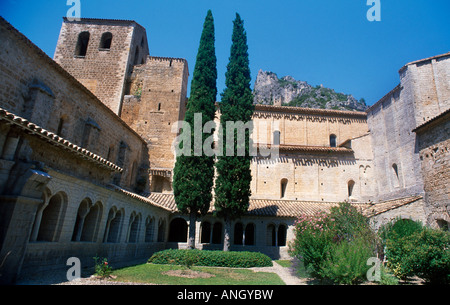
(101, 54)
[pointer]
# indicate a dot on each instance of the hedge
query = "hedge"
(232, 259)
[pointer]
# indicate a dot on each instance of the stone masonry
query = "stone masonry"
(86, 155)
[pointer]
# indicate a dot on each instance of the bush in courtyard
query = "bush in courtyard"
(347, 263)
(350, 224)
(399, 228)
(232, 259)
(424, 253)
(336, 246)
(313, 241)
(102, 267)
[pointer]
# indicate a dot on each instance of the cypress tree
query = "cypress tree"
(194, 174)
(232, 189)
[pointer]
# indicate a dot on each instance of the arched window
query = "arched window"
(82, 44)
(92, 223)
(149, 230)
(250, 234)
(52, 219)
(161, 230)
(276, 237)
(271, 235)
(60, 126)
(333, 140)
(350, 186)
(283, 187)
(217, 233)
(133, 228)
(238, 233)
(206, 233)
(113, 226)
(282, 235)
(276, 137)
(395, 175)
(106, 40)
(178, 230)
(83, 210)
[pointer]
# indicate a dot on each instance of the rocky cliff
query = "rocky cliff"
(271, 90)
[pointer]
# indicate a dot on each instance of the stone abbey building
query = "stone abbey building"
(86, 157)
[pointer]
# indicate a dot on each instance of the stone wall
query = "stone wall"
(56, 138)
(309, 127)
(134, 242)
(391, 121)
(431, 86)
(37, 89)
(422, 94)
(434, 144)
(414, 211)
(308, 165)
(102, 70)
(157, 103)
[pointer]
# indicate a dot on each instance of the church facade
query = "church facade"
(86, 154)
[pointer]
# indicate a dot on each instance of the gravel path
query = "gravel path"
(287, 274)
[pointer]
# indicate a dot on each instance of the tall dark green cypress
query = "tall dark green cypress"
(232, 189)
(194, 174)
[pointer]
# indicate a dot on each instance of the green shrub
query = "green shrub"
(392, 236)
(102, 268)
(232, 259)
(424, 253)
(336, 246)
(313, 241)
(348, 262)
(387, 277)
(399, 228)
(349, 223)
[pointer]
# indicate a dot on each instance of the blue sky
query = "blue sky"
(327, 42)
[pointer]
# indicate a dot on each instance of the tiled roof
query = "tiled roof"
(103, 21)
(261, 207)
(164, 201)
(328, 112)
(432, 120)
(306, 148)
(280, 208)
(381, 207)
(56, 140)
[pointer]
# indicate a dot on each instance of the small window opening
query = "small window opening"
(351, 184)
(106, 40)
(283, 187)
(60, 126)
(395, 175)
(276, 137)
(332, 140)
(82, 44)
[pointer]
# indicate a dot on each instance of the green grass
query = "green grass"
(284, 263)
(154, 274)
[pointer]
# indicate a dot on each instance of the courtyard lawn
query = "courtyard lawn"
(180, 275)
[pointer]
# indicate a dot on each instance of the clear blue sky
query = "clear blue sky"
(327, 42)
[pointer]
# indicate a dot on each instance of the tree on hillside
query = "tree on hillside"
(232, 189)
(194, 173)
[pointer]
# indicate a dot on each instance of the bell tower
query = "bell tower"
(101, 53)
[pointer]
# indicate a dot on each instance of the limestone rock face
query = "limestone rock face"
(271, 90)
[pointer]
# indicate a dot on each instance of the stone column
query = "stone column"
(18, 206)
